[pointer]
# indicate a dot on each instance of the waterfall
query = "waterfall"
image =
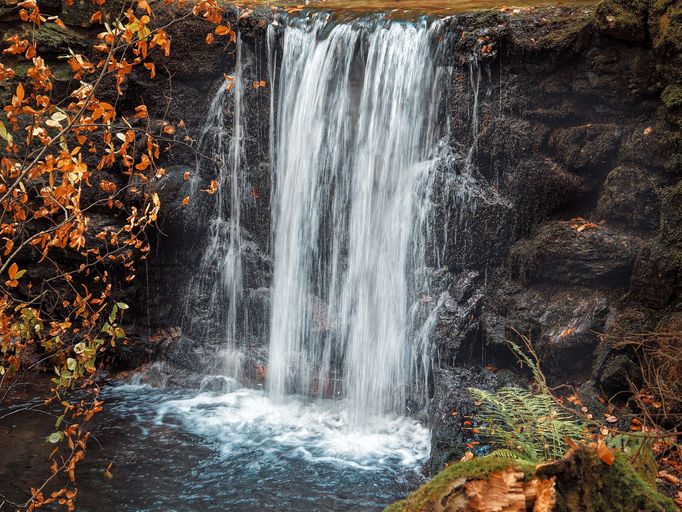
(355, 133)
(215, 306)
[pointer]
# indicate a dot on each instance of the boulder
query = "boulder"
(585, 147)
(654, 144)
(575, 252)
(630, 197)
(623, 19)
(562, 323)
(657, 275)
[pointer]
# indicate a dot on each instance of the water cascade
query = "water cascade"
(355, 133)
(215, 305)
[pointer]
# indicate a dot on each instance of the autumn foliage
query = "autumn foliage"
(57, 309)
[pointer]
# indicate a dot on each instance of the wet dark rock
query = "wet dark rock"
(171, 189)
(671, 217)
(479, 232)
(630, 197)
(559, 252)
(561, 323)
(657, 275)
(451, 407)
(540, 187)
(614, 371)
(506, 141)
(585, 147)
(457, 333)
(654, 144)
(617, 76)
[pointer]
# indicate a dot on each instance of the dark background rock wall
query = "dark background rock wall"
(575, 238)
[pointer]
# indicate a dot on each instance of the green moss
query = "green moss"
(565, 31)
(672, 96)
(61, 71)
(667, 27)
(584, 482)
(475, 469)
(615, 488)
(622, 19)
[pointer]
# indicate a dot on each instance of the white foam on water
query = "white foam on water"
(318, 431)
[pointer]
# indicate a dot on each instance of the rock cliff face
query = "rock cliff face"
(571, 232)
(578, 166)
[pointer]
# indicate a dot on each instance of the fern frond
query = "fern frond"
(506, 454)
(526, 423)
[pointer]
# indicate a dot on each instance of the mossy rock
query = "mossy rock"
(52, 39)
(61, 71)
(584, 482)
(562, 30)
(656, 144)
(672, 96)
(665, 24)
(581, 481)
(672, 100)
(430, 495)
(623, 19)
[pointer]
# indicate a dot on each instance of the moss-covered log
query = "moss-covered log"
(579, 482)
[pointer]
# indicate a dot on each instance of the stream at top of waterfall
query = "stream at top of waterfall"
(234, 450)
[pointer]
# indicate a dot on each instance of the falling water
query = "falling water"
(220, 317)
(355, 141)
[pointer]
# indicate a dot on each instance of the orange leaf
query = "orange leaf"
(567, 332)
(605, 454)
(142, 4)
(185, 175)
(222, 30)
(152, 69)
(212, 188)
(96, 17)
(13, 270)
(185, 201)
(209, 38)
(141, 112)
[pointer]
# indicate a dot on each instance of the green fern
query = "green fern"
(525, 424)
(505, 454)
